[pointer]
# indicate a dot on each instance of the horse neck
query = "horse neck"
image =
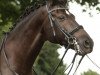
(24, 43)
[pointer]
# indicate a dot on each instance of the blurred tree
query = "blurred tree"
(90, 72)
(48, 60)
(89, 2)
(10, 10)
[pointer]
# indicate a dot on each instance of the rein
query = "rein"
(5, 55)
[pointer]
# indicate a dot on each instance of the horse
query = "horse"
(52, 22)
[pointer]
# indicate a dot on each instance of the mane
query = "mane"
(26, 12)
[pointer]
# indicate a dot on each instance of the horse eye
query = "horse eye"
(62, 18)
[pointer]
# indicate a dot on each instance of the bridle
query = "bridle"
(54, 23)
(70, 38)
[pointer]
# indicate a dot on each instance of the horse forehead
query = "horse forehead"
(67, 12)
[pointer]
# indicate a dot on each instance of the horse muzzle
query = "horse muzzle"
(85, 44)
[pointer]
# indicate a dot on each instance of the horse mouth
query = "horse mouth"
(82, 53)
(83, 47)
(83, 50)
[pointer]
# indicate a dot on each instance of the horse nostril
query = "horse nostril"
(86, 44)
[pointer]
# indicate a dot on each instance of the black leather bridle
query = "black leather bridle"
(55, 23)
(70, 38)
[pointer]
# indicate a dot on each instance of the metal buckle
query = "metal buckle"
(76, 46)
(71, 40)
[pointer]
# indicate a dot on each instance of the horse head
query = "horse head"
(61, 27)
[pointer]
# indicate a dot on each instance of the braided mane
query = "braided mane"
(27, 11)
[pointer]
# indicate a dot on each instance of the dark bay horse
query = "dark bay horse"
(50, 22)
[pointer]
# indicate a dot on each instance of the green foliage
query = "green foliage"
(48, 60)
(8, 10)
(90, 2)
(90, 72)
